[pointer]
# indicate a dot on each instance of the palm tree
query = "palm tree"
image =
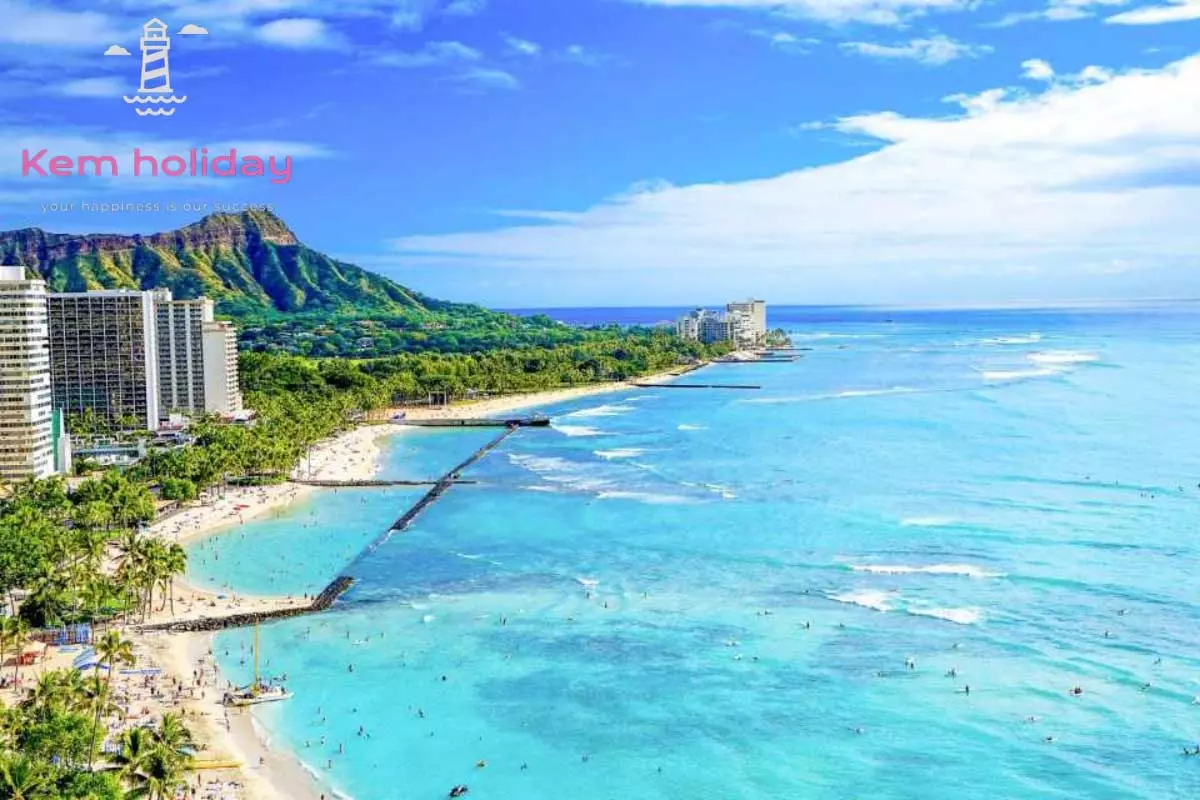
(111, 649)
(158, 778)
(175, 563)
(175, 739)
(18, 629)
(22, 778)
(132, 760)
(5, 636)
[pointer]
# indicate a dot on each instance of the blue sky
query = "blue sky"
(610, 152)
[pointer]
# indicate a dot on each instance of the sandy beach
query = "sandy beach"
(236, 761)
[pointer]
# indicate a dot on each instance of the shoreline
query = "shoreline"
(263, 771)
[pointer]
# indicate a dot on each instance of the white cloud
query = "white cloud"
(191, 29)
(24, 24)
(431, 54)
(298, 33)
(933, 51)
(94, 87)
(1035, 69)
(116, 50)
(1042, 184)
(1059, 11)
(784, 40)
(1183, 11)
(522, 47)
(408, 20)
(482, 79)
(875, 12)
(578, 54)
(465, 8)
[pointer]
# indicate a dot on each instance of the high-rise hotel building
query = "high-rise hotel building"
(222, 394)
(104, 356)
(181, 353)
(136, 358)
(25, 397)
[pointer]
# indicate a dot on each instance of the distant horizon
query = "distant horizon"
(1019, 306)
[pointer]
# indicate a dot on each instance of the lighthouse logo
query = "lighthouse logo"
(155, 97)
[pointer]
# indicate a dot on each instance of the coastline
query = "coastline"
(263, 772)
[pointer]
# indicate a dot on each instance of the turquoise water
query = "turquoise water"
(718, 594)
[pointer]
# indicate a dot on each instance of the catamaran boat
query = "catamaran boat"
(254, 694)
(258, 691)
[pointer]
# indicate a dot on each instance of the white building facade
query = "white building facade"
(744, 324)
(25, 393)
(181, 353)
(222, 394)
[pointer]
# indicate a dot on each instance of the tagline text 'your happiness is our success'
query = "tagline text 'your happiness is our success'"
(197, 163)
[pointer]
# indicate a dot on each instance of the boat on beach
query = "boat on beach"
(259, 691)
(256, 694)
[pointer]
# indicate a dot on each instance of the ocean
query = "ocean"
(781, 593)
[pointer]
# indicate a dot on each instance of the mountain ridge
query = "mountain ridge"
(250, 263)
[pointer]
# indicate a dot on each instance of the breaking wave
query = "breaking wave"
(1045, 364)
(959, 616)
(577, 430)
(620, 452)
(877, 601)
(848, 393)
(652, 498)
(608, 410)
(1062, 357)
(965, 570)
(926, 522)
(1029, 338)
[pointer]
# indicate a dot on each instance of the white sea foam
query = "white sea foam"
(686, 427)
(569, 474)
(879, 601)
(469, 556)
(966, 570)
(653, 498)
(588, 582)
(577, 430)
(1029, 338)
(1002, 375)
(608, 410)
(428, 618)
(725, 492)
(1062, 357)
(1045, 363)
(621, 452)
(959, 616)
(843, 395)
(926, 522)
(822, 335)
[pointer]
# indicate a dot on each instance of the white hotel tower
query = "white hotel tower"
(25, 416)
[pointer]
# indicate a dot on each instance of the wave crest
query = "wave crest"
(965, 570)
